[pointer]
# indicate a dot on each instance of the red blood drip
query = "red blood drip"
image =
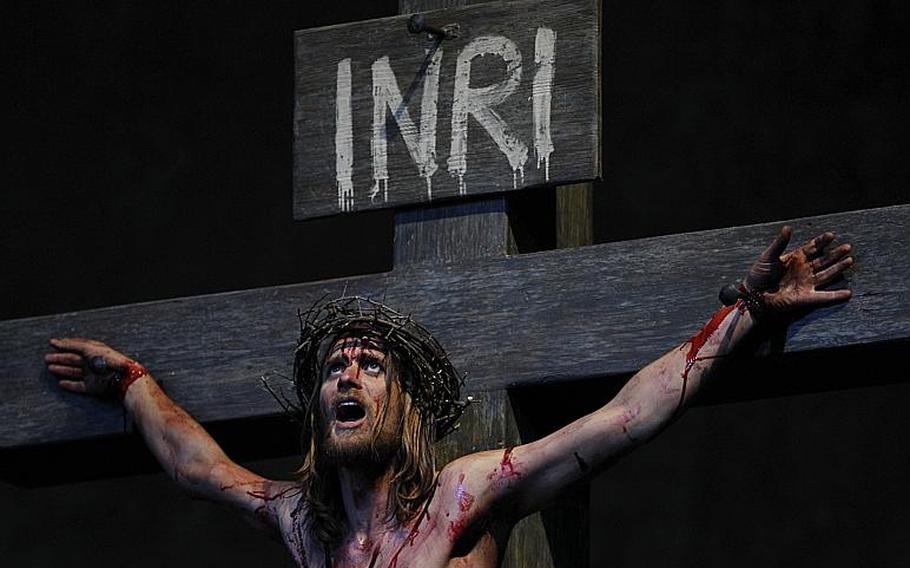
(409, 540)
(506, 466)
(134, 372)
(465, 502)
(456, 527)
(263, 493)
(699, 339)
(465, 499)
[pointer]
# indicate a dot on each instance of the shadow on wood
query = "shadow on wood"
(126, 454)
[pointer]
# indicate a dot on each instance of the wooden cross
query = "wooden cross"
(511, 321)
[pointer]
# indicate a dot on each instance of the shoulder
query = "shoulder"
(485, 468)
(287, 510)
(273, 502)
(478, 478)
(464, 511)
(506, 483)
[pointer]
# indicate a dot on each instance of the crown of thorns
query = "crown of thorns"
(429, 377)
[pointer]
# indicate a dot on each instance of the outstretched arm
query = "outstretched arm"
(183, 448)
(520, 480)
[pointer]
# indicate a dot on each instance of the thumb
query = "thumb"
(777, 248)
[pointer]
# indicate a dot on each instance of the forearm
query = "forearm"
(183, 448)
(661, 390)
(777, 286)
(646, 404)
(196, 462)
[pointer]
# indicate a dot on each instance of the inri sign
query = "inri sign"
(385, 118)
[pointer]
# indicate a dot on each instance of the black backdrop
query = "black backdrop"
(149, 156)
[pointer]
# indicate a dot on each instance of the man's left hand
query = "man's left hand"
(791, 281)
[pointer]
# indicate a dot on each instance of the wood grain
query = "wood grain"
(452, 233)
(544, 317)
(574, 104)
(575, 215)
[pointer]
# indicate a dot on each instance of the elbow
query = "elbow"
(186, 479)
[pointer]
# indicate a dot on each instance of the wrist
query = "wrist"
(746, 299)
(126, 376)
(754, 303)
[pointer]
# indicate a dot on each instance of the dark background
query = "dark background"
(149, 156)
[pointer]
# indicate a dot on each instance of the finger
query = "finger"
(817, 245)
(828, 297)
(71, 359)
(77, 344)
(66, 371)
(828, 274)
(73, 386)
(779, 245)
(830, 258)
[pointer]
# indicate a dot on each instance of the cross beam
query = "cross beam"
(529, 319)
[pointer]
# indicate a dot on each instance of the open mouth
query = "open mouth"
(349, 412)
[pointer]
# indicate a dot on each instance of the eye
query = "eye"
(373, 366)
(335, 367)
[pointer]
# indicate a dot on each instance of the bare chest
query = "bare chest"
(432, 541)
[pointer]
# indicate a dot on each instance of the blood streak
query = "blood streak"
(465, 499)
(415, 530)
(506, 466)
(263, 493)
(701, 338)
(456, 527)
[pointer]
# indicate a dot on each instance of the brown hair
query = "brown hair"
(413, 466)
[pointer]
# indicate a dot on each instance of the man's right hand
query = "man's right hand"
(85, 365)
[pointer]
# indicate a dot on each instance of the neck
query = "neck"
(365, 494)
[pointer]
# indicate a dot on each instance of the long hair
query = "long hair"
(413, 465)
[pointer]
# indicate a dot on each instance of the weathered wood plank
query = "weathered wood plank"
(361, 104)
(543, 317)
(411, 6)
(452, 233)
(574, 215)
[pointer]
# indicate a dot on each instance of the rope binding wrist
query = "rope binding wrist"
(752, 300)
(120, 379)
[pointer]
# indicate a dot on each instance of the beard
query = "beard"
(360, 448)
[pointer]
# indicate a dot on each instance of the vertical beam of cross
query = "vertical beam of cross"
(482, 228)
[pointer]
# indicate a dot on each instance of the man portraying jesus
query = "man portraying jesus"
(376, 391)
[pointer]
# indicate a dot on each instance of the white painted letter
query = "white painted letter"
(344, 137)
(479, 102)
(545, 57)
(421, 144)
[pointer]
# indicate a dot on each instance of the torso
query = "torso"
(445, 534)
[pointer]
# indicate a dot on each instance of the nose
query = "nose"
(350, 378)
